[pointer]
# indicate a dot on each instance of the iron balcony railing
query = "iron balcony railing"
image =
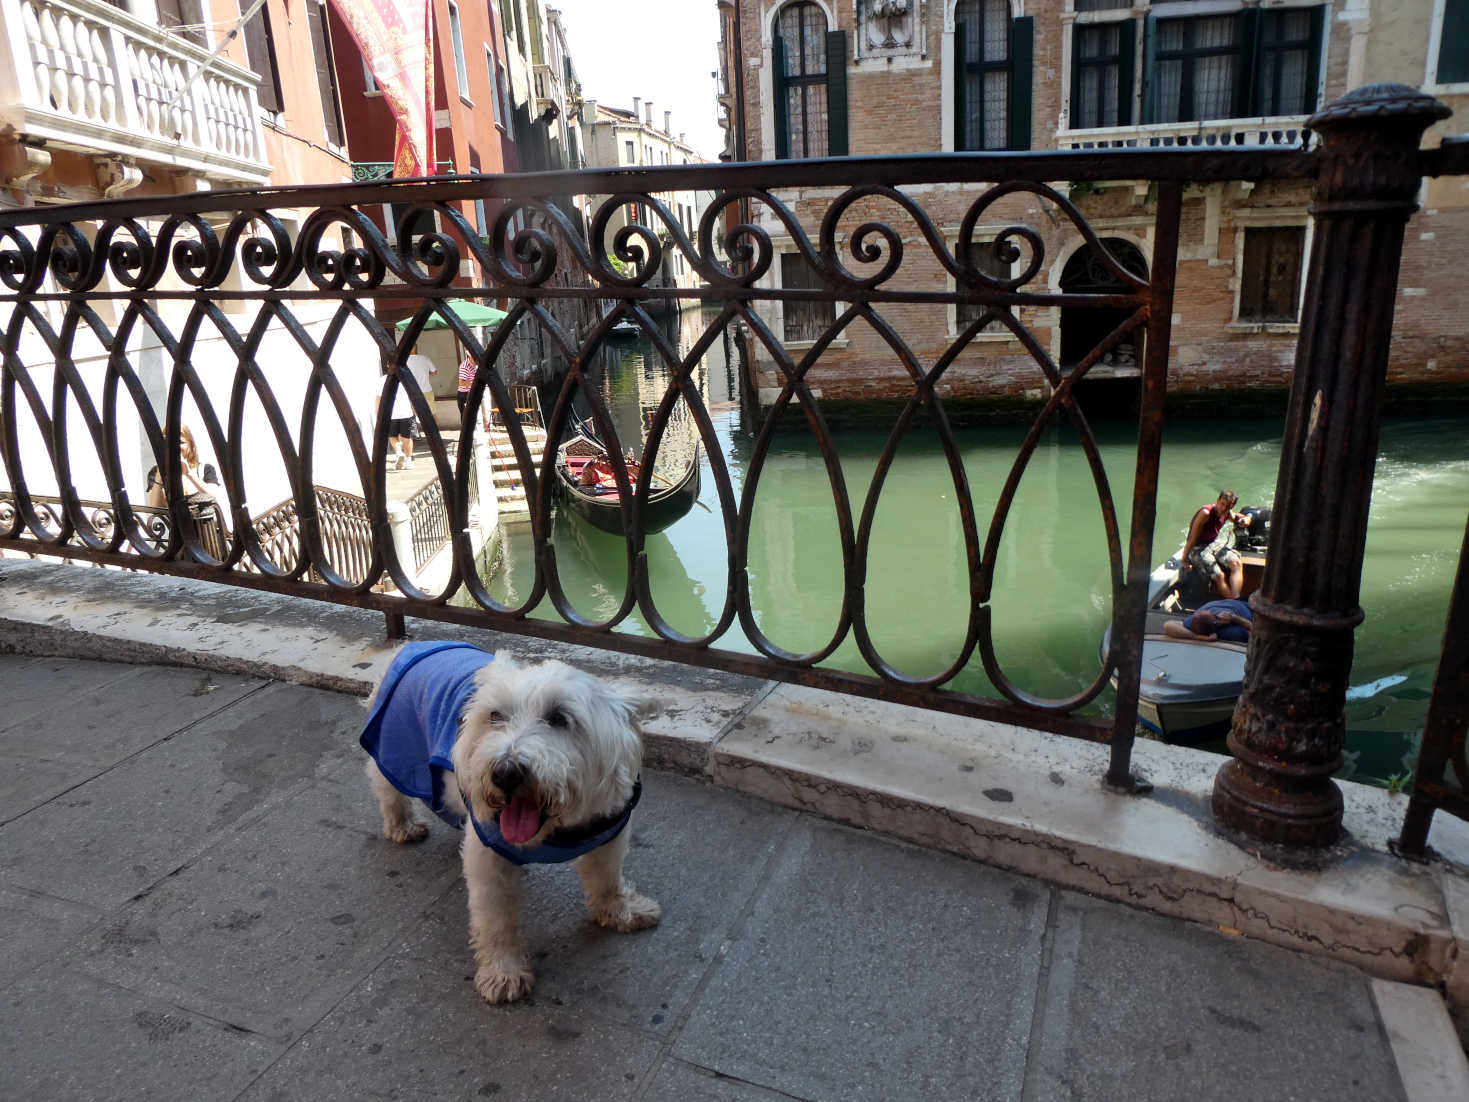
(260, 321)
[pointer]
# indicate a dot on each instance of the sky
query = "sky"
(661, 50)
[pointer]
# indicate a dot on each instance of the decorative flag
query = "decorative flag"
(396, 38)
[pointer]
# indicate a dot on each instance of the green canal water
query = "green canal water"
(1051, 598)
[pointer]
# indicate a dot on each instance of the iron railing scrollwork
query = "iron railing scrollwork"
(93, 289)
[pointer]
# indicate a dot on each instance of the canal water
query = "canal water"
(1051, 600)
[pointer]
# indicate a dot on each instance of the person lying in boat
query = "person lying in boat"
(598, 472)
(1209, 549)
(1229, 621)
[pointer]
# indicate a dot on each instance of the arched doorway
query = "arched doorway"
(1082, 329)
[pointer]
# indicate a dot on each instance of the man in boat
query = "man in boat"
(1229, 621)
(1205, 552)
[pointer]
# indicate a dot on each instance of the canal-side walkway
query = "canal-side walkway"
(198, 905)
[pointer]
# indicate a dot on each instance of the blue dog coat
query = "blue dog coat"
(410, 733)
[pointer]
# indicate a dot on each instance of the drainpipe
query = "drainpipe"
(1288, 729)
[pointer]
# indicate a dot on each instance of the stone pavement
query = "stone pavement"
(197, 905)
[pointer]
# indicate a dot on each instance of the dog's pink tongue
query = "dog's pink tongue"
(520, 820)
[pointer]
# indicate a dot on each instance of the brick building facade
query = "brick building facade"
(829, 77)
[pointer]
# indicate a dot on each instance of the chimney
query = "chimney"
(636, 104)
(589, 113)
(668, 122)
(680, 138)
(648, 107)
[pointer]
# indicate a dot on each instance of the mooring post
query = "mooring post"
(1288, 727)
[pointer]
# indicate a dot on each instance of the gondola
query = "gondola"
(1189, 687)
(600, 504)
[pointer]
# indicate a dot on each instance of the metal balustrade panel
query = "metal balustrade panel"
(257, 273)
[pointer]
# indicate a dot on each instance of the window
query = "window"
(983, 256)
(461, 71)
(992, 76)
(496, 107)
(1452, 63)
(260, 51)
(632, 153)
(500, 86)
(1101, 74)
(369, 82)
(1289, 46)
(804, 321)
(1270, 275)
(184, 18)
(326, 71)
(809, 68)
(406, 222)
(1233, 65)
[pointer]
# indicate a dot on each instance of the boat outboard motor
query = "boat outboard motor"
(1257, 536)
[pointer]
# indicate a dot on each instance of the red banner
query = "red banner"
(396, 38)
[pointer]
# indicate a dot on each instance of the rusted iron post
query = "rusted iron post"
(1288, 727)
(1443, 730)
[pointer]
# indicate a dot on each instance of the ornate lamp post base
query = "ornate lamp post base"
(1288, 728)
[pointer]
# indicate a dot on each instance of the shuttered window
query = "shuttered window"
(260, 51)
(1235, 65)
(1453, 43)
(184, 18)
(1101, 74)
(326, 71)
(982, 255)
(804, 321)
(1270, 279)
(799, 47)
(992, 76)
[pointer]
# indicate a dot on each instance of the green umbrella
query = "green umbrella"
(471, 314)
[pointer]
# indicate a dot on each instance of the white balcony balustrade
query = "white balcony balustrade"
(1285, 130)
(84, 75)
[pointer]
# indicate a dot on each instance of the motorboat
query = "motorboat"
(1189, 687)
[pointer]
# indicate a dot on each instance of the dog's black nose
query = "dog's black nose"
(508, 775)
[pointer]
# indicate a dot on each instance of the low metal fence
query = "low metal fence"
(871, 237)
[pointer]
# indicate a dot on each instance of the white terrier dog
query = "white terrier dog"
(542, 760)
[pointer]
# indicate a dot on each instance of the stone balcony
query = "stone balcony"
(83, 75)
(1287, 131)
(548, 89)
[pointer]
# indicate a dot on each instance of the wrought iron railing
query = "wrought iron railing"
(93, 286)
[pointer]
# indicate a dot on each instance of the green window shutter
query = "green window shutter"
(1150, 70)
(836, 93)
(1247, 64)
(778, 92)
(1453, 47)
(1127, 44)
(1313, 58)
(1022, 66)
(961, 108)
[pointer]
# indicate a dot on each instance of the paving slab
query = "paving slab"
(35, 927)
(272, 926)
(416, 1029)
(67, 1036)
(1140, 1007)
(871, 970)
(702, 854)
(103, 724)
(1432, 1066)
(122, 831)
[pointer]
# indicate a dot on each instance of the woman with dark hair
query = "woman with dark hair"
(1203, 550)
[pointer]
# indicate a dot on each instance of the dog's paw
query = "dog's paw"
(407, 832)
(504, 981)
(628, 912)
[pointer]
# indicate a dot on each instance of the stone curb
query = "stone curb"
(1007, 796)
